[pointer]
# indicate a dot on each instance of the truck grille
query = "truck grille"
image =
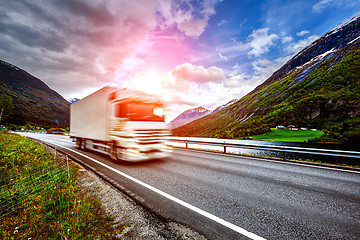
(151, 136)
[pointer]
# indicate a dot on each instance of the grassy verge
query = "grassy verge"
(286, 135)
(58, 211)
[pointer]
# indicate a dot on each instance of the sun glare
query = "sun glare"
(149, 83)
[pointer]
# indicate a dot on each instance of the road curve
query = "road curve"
(240, 197)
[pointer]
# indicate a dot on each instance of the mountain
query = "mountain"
(188, 116)
(336, 38)
(195, 113)
(224, 105)
(319, 88)
(33, 100)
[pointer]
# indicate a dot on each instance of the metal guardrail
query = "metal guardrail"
(283, 149)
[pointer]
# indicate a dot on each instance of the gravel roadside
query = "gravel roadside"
(124, 213)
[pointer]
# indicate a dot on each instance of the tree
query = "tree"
(6, 106)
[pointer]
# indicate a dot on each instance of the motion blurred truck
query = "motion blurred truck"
(126, 124)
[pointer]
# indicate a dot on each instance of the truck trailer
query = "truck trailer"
(125, 124)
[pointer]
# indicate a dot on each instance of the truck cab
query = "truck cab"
(138, 129)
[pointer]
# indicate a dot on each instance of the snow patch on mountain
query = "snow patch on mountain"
(189, 116)
(320, 57)
(224, 106)
(194, 114)
(344, 23)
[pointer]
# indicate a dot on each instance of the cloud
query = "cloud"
(240, 83)
(198, 74)
(79, 46)
(209, 95)
(180, 93)
(302, 33)
(222, 23)
(224, 51)
(300, 45)
(223, 57)
(190, 19)
(82, 39)
(192, 28)
(96, 41)
(187, 86)
(286, 39)
(260, 41)
(318, 7)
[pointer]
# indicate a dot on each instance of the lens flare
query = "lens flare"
(148, 83)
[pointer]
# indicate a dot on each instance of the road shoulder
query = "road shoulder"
(125, 214)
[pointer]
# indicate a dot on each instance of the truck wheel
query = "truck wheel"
(81, 143)
(78, 143)
(115, 152)
(85, 144)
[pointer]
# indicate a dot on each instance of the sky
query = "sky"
(189, 53)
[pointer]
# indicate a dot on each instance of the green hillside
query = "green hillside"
(33, 101)
(322, 94)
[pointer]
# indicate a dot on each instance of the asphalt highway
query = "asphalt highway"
(233, 197)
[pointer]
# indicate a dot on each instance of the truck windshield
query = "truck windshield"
(135, 111)
(145, 112)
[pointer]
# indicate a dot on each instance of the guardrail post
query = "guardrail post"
(186, 144)
(284, 156)
(224, 147)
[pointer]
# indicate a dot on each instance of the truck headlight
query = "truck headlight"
(168, 148)
(132, 150)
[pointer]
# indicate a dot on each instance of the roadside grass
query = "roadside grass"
(59, 211)
(286, 135)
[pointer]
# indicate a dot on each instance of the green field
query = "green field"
(285, 135)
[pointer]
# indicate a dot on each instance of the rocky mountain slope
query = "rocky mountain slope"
(195, 113)
(33, 100)
(224, 105)
(189, 116)
(333, 40)
(319, 87)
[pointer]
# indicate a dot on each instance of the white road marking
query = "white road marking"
(172, 198)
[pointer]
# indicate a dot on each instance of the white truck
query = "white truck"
(125, 124)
